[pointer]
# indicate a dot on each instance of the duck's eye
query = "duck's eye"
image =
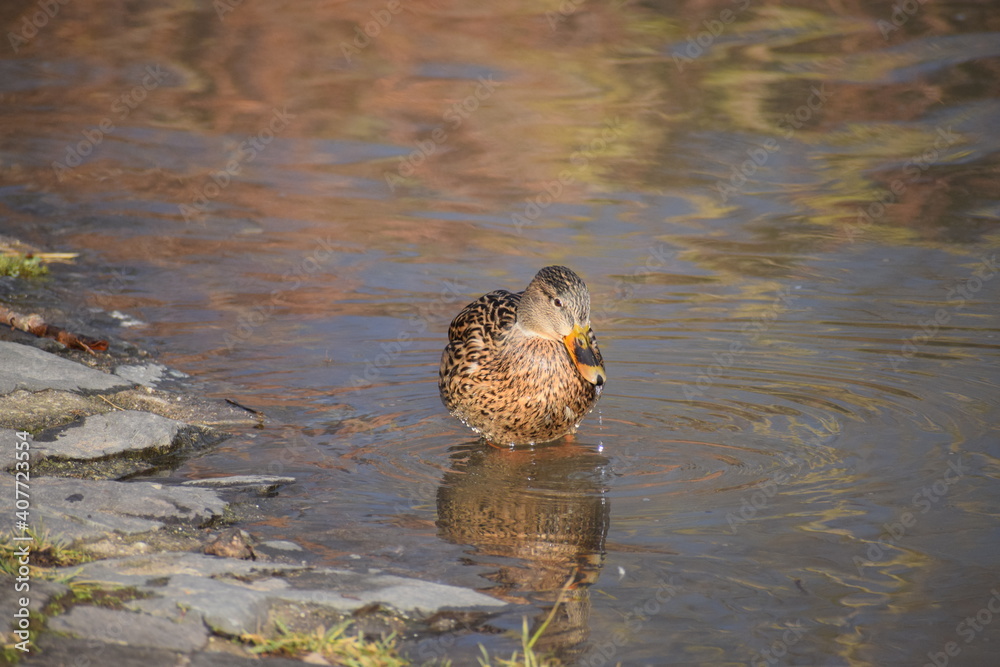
(557, 302)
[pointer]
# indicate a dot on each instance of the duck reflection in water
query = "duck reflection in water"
(536, 517)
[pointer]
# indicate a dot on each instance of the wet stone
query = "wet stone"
(227, 607)
(23, 367)
(206, 659)
(108, 434)
(236, 596)
(40, 390)
(280, 545)
(40, 593)
(148, 375)
(261, 483)
(79, 509)
(8, 442)
(121, 627)
(56, 651)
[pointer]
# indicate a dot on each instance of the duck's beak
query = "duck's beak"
(584, 356)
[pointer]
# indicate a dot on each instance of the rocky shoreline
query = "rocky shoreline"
(170, 578)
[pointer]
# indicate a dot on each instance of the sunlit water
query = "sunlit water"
(790, 238)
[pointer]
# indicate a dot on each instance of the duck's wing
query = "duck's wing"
(486, 320)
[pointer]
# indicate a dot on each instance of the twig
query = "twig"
(110, 403)
(35, 325)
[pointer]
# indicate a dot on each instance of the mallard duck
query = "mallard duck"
(524, 368)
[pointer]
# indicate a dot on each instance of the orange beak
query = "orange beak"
(584, 356)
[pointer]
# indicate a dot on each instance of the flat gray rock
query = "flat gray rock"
(108, 434)
(81, 509)
(234, 596)
(138, 570)
(8, 451)
(352, 590)
(280, 545)
(224, 605)
(126, 627)
(205, 585)
(148, 375)
(267, 481)
(57, 651)
(206, 659)
(31, 369)
(39, 594)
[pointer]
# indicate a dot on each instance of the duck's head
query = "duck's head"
(556, 305)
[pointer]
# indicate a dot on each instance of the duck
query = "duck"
(523, 368)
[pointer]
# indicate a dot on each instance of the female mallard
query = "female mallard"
(524, 368)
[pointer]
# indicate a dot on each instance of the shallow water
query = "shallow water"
(789, 229)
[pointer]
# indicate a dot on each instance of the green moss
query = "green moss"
(46, 552)
(21, 266)
(94, 594)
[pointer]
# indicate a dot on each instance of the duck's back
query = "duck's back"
(475, 337)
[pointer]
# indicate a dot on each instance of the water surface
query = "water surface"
(787, 217)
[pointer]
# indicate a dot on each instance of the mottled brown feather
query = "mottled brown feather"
(510, 387)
